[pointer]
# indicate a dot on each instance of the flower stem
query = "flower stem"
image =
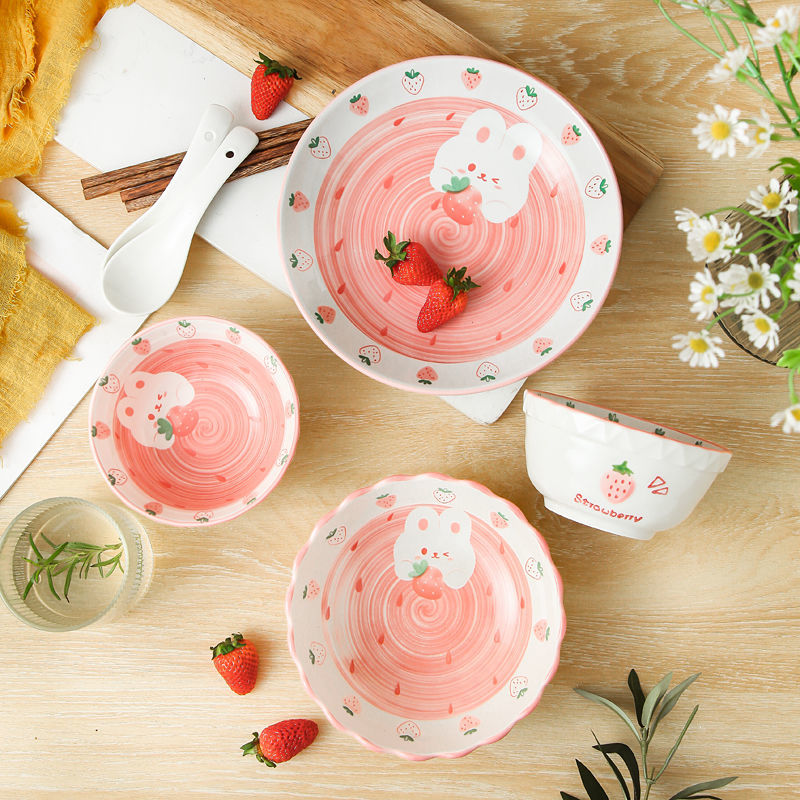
(792, 393)
(787, 82)
(683, 30)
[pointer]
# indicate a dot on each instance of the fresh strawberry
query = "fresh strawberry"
(281, 741)
(270, 83)
(526, 98)
(234, 335)
(541, 630)
(298, 201)
(617, 484)
(408, 262)
(320, 147)
(183, 420)
(325, 315)
(412, 81)
(570, 135)
(471, 77)
(461, 202)
(186, 329)
(386, 500)
(109, 383)
(236, 659)
(359, 104)
(601, 245)
(427, 376)
(596, 187)
(141, 346)
(101, 430)
(446, 298)
(426, 581)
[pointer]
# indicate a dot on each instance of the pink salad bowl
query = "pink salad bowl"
(425, 616)
(194, 421)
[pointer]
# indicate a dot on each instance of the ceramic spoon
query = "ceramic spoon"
(143, 273)
(211, 130)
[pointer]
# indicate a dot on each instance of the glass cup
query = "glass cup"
(66, 563)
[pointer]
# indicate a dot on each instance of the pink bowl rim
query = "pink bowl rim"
(420, 388)
(385, 482)
(291, 450)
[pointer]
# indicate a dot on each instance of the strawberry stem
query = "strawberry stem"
(397, 251)
(275, 67)
(252, 748)
(227, 646)
(458, 283)
(623, 468)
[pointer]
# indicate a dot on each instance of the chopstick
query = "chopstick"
(141, 185)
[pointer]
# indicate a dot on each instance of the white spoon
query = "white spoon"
(144, 272)
(211, 130)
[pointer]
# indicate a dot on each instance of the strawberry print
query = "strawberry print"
(412, 81)
(316, 654)
(409, 731)
(337, 535)
(658, 486)
(310, 590)
(186, 329)
(427, 376)
(370, 355)
(426, 581)
(153, 508)
(233, 335)
(385, 500)
(469, 725)
(499, 520)
(617, 484)
(359, 104)
(203, 516)
(487, 372)
(596, 187)
(282, 458)
(541, 630)
(526, 98)
(116, 477)
(542, 346)
(319, 147)
(271, 363)
(298, 201)
(290, 408)
(581, 301)
(100, 430)
(471, 77)
(141, 346)
(570, 135)
(300, 260)
(518, 686)
(461, 201)
(601, 245)
(325, 315)
(181, 421)
(444, 496)
(109, 383)
(533, 568)
(352, 705)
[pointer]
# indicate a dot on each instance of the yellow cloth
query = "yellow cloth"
(41, 42)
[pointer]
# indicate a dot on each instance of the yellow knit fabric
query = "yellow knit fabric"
(41, 42)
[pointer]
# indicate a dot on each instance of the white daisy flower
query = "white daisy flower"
(699, 349)
(762, 330)
(703, 295)
(760, 135)
(789, 417)
(718, 132)
(727, 67)
(710, 240)
(794, 283)
(686, 219)
(750, 286)
(786, 20)
(773, 200)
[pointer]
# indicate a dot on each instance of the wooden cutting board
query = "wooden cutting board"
(369, 34)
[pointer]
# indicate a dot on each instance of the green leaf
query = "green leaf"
(626, 754)
(691, 791)
(677, 743)
(613, 706)
(456, 184)
(672, 697)
(68, 580)
(590, 783)
(164, 426)
(654, 698)
(638, 694)
(790, 359)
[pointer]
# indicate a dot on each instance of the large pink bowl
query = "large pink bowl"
(195, 421)
(425, 616)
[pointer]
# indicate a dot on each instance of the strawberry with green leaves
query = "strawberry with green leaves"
(269, 85)
(281, 741)
(408, 262)
(236, 659)
(446, 298)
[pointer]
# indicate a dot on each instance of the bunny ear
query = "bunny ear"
(456, 522)
(422, 520)
(484, 126)
(525, 144)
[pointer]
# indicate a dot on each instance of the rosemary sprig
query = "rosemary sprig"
(69, 557)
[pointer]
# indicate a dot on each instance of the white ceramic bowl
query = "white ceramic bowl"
(612, 471)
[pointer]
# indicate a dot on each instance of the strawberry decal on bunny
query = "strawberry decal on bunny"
(497, 161)
(155, 408)
(435, 550)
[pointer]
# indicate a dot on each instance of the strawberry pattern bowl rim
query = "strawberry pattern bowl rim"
(103, 403)
(327, 680)
(508, 363)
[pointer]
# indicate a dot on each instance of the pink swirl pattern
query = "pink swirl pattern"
(418, 657)
(379, 180)
(237, 437)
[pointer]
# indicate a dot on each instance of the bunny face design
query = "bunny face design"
(443, 541)
(497, 160)
(149, 399)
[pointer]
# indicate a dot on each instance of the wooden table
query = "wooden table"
(137, 711)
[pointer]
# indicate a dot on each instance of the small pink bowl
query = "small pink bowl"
(195, 421)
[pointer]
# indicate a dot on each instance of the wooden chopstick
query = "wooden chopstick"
(274, 148)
